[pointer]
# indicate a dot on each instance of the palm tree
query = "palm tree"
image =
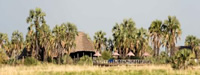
(30, 42)
(45, 36)
(3, 40)
(194, 42)
(141, 41)
(36, 18)
(172, 31)
(156, 33)
(17, 42)
(71, 33)
(100, 40)
(123, 36)
(110, 45)
(4, 43)
(64, 38)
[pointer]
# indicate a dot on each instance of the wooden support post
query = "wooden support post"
(78, 55)
(91, 55)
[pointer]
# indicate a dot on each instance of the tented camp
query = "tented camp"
(84, 46)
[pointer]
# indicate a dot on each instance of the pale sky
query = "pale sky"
(94, 15)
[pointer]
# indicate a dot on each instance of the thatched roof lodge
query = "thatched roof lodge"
(84, 46)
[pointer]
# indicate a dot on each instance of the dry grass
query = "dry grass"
(52, 69)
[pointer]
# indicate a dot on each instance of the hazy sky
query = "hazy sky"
(93, 15)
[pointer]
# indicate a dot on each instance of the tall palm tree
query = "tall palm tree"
(30, 42)
(194, 42)
(36, 18)
(156, 33)
(141, 41)
(110, 45)
(123, 36)
(64, 38)
(45, 35)
(71, 33)
(3, 39)
(17, 42)
(100, 40)
(172, 32)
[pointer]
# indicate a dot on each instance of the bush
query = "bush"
(85, 60)
(52, 60)
(13, 62)
(3, 57)
(30, 61)
(66, 59)
(163, 58)
(181, 59)
(106, 55)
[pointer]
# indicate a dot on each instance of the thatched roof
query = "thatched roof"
(130, 54)
(146, 54)
(97, 54)
(83, 43)
(115, 54)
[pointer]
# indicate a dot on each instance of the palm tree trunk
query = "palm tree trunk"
(154, 51)
(158, 50)
(172, 49)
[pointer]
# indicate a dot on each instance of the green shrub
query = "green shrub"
(49, 59)
(30, 61)
(163, 58)
(106, 55)
(3, 57)
(66, 59)
(99, 58)
(85, 60)
(181, 59)
(13, 62)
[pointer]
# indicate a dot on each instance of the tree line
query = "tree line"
(41, 42)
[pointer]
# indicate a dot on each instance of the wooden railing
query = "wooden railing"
(120, 62)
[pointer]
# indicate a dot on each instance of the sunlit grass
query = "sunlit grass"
(52, 69)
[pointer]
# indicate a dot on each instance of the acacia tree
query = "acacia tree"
(124, 34)
(100, 40)
(36, 18)
(172, 31)
(194, 42)
(156, 34)
(17, 43)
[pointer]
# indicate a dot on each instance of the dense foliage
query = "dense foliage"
(85, 60)
(30, 61)
(54, 45)
(181, 59)
(106, 55)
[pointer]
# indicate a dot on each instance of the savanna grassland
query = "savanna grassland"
(52, 69)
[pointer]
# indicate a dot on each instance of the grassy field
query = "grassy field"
(52, 69)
